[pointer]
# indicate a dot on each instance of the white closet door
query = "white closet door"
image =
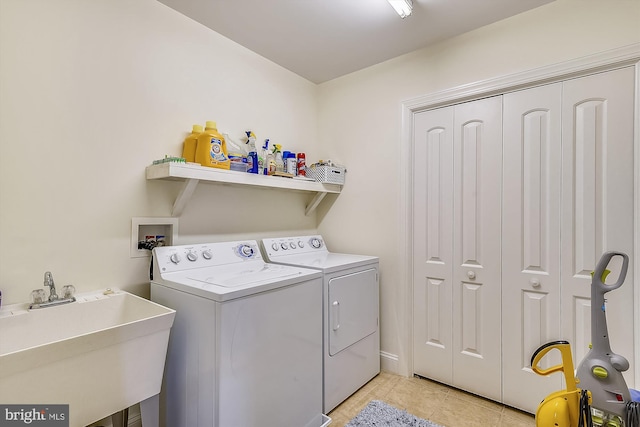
(433, 244)
(531, 241)
(597, 202)
(476, 249)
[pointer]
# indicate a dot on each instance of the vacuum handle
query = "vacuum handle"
(565, 367)
(541, 352)
(600, 274)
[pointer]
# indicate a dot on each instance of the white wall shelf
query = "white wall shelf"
(193, 174)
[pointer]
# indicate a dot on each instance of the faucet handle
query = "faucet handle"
(37, 296)
(68, 291)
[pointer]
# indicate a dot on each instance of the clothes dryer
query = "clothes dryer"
(351, 336)
(246, 345)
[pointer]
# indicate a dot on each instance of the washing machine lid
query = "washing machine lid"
(327, 262)
(224, 284)
(250, 274)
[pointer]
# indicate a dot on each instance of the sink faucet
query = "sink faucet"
(48, 281)
(37, 296)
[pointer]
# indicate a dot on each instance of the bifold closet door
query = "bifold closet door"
(597, 203)
(457, 190)
(477, 166)
(531, 241)
(433, 244)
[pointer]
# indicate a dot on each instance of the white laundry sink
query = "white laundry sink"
(101, 354)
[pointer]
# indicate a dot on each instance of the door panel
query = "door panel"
(432, 244)
(531, 243)
(476, 246)
(597, 202)
(353, 309)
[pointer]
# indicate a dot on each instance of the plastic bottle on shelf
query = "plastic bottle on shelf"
(190, 144)
(211, 150)
(237, 154)
(264, 164)
(264, 161)
(302, 164)
(278, 157)
(252, 155)
(290, 163)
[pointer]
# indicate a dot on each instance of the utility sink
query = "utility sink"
(100, 354)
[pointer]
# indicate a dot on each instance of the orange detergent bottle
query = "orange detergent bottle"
(190, 144)
(212, 148)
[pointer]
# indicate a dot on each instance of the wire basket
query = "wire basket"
(328, 174)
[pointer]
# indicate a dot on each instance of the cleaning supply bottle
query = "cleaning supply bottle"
(301, 166)
(271, 164)
(190, 144)
(211, 150)
(278, 158)
(290, 163)
(237, 154)
(264, 162)
(252, 156)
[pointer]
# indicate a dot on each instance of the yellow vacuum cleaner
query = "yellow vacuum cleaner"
(565, 408)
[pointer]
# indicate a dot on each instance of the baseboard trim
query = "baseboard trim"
(389, 362)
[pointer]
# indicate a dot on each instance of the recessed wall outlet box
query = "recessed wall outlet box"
(159, 231)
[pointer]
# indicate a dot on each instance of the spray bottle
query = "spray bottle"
(278, 157)
(252, 156)
(264, 165)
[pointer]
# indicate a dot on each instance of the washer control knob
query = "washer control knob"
(284, 246)
(206, 254)
(275, 247)
(192, 256)
(300, 244)
(175, 258)
(292, 245)
(245, 251)
(316, 243)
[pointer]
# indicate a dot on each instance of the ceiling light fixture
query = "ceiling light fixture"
(403, 7)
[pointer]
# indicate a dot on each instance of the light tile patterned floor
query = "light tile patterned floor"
(432, 401)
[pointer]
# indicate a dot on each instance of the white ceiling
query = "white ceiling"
(324, 39)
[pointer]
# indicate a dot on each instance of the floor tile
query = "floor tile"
(430, 400)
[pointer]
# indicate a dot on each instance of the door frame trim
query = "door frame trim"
(605, 61)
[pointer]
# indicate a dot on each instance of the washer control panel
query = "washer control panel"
(283, 246)
(187, 257)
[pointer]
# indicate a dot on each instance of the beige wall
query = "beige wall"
(360, 124)
(92, 92)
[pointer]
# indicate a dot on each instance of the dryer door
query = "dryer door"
(353, 308)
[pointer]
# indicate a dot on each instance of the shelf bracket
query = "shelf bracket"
(188, 187)
(314, 203)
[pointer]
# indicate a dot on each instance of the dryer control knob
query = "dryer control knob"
(206, 254)
(175, 258)
(292, 245)
(275, 247)
(192, 256)
(284, 246)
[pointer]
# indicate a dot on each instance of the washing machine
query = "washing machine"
(246, 345)
(350, 295)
